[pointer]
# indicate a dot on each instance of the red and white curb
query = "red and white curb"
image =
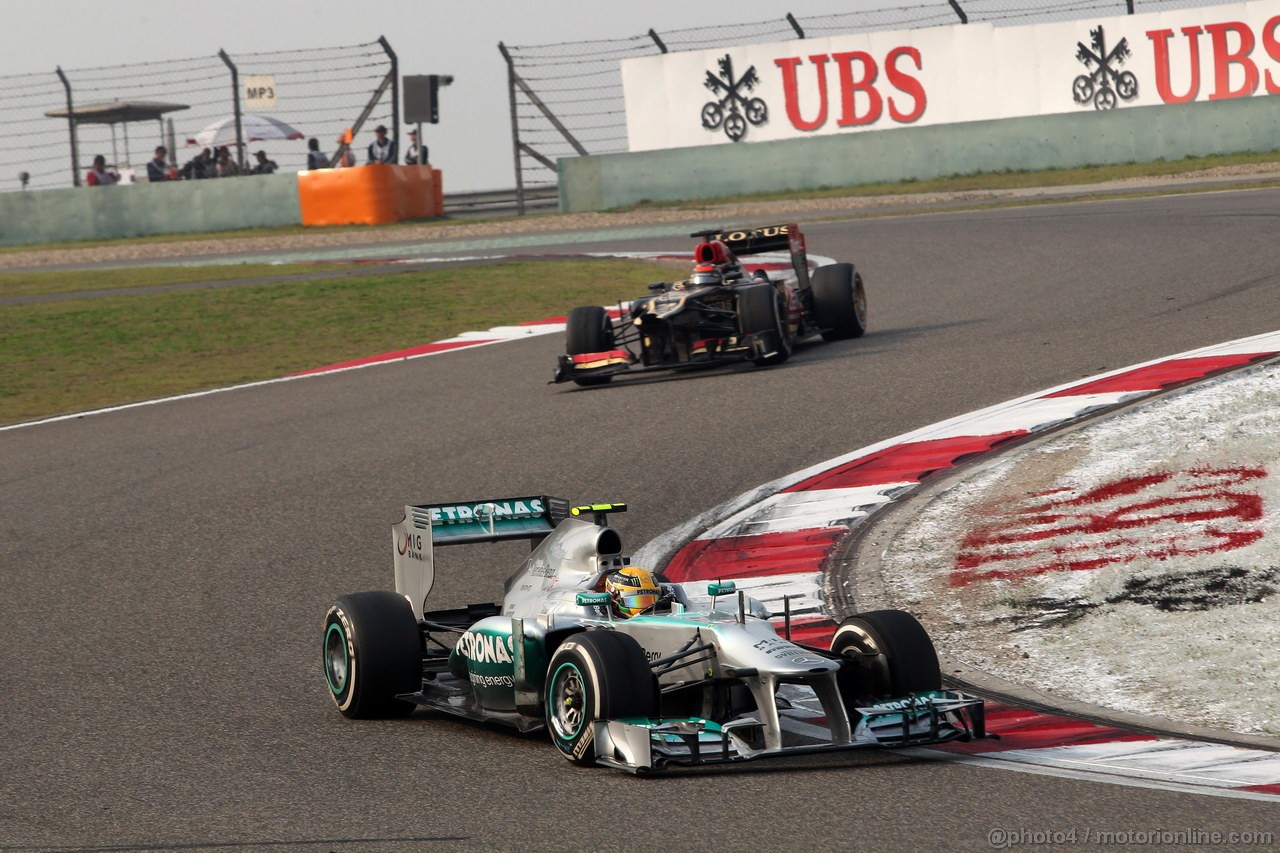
(775, 540)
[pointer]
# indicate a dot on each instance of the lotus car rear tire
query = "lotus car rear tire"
(588, 329)
(595, 675)
(372, 652)
(759, 313)
(839, 302)
(889, 655)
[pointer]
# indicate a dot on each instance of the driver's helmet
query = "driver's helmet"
(705, 275)
(632, 591)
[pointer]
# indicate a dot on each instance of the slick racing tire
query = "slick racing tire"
(595, 675)
(589, 329)
(839, 302)
(372, 652)
(888, 654)
(760, 314)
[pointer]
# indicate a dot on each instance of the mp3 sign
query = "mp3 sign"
(941, 75)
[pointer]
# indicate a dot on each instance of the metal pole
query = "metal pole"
(395, 94)
(795, 25)
(658, 41)
(71, 124)
(235, 100)
(515, 127)
(964, 19)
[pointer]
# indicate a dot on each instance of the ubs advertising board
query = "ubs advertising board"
(943, 75)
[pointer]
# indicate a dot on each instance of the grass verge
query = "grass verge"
(41, 283)
(81, 354)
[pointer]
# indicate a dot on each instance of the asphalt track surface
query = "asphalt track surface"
(167, 568)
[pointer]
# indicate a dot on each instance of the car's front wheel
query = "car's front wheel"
(888, 654)
(588, 329)
(839, 302)
(595, 675)
(759, 314)
(372, 653)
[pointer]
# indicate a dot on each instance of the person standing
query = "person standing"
(157, 169)
(416, 154)
(382, 150)
(316, 158)
(100, 175)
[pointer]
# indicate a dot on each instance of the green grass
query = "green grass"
(42, 282)
(81, 354)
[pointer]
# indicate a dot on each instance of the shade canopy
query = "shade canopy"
(118, 112)
(253, 128)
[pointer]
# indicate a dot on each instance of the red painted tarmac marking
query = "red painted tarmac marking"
(1156, 376)
(907, 462)
(759, 555)
(425, 349)
(1022, 728)
(1151, 516)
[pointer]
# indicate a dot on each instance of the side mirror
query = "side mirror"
(718, 588)
(592, 599)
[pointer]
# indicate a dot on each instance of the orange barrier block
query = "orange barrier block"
(370, 195)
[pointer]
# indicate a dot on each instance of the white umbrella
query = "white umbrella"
(255, 128)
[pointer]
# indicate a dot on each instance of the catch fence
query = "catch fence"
(566, 99)
(123, 111)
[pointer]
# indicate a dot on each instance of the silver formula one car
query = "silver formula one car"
(673, 684)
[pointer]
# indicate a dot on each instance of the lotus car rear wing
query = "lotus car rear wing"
(769, 238)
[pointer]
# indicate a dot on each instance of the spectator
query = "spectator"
(315, 157)
(199, 167)
(382, 150)
(416, 155)
(226, 167)
(100, 175)
(157, 169)
(263, 166)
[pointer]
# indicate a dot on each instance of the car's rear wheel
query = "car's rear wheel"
(372, 653)
(588, 329)
(760, 314)
(595, 675)
(887, 654)
(839, 302)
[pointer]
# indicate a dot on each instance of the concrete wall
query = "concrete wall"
(1088, 137)
(94, 213)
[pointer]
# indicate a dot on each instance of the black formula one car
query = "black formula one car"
(723, 312)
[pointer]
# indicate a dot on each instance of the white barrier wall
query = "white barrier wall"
(945, 75)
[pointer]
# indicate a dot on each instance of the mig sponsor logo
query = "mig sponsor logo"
(410, 545)
(1148, 517)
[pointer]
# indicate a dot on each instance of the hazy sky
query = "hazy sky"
(472, 144)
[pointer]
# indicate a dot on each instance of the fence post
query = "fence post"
(235, 102)
(964, 19)
(795, 25)
(71, 124)
(658, 41)
(515, 127)
(395, 92)
(1129, 3)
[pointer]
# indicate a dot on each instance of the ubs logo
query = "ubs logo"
(1103, 82)
(733, 110)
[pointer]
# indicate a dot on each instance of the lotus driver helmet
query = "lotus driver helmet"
(632, 591)
(706, 275)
